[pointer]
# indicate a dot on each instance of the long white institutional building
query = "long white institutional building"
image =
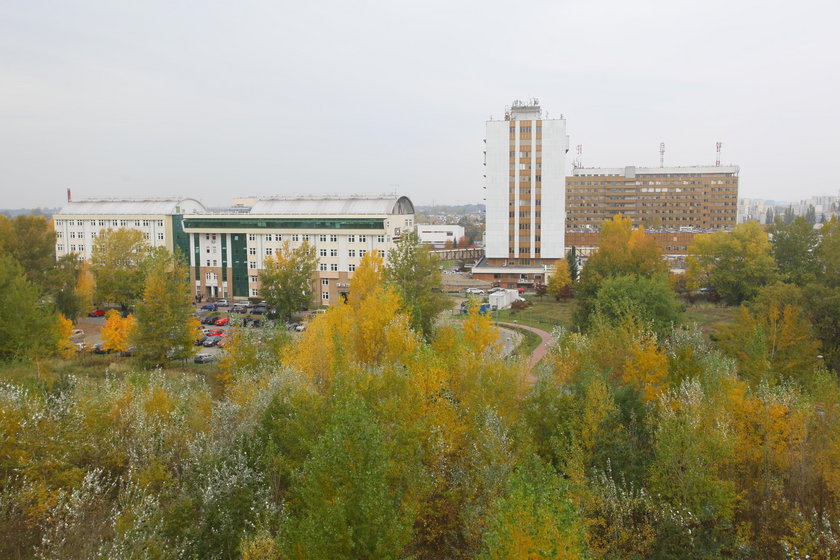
(227, 249)
(525, 171)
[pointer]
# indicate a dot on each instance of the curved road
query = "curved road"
(538, 353)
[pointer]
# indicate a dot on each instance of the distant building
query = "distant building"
(654, 197)
(78, 224)
(525, 168)
(227, 250)
(438, 235)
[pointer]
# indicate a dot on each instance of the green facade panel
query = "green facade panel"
(180, 238)
(239, 264)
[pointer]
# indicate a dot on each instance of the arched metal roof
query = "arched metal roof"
(334, 205)
(138, 206)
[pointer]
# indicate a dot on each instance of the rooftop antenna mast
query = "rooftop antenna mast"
(662, 154)
(578, 162)
(719, 145)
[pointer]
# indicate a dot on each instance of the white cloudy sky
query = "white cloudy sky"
(215, 99)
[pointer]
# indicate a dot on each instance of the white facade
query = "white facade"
(437, 235)
(545, 188)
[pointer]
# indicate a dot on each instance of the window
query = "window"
(73, 248)
(268, 252)
(160, 223)
(147, 235)
(325, 295)
(295, 237)
(72, 235)
(268, 237)
(305, 237)
(207, 236)
(322, 238)
(93, 235)
(333, 252)
(352, 267)
(325, 281)
(363, 239)
(252, 237)
(252, 265)
(322, 252)
(102, 223)
(255, 292)
(60, 247)
(71, 222)
(362, 253)
(351, 253)
(58, 222)
(160, 236)
(334, 267)
(251, 250)
(81, 248)
(333, 239)
(136, 223)
(253, 279)
(322, 267)
(208, 262)
(59, 234)
(351, 238)
(215, 262)
(380, 239)
(145, 223)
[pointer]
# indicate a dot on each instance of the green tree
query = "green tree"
(286, 278)
(344, 505)
(795, 250)
(811, 214)
(31, 241)
(166, 326)
(829, 254)
(651, 300)
(734, 264)
(414, 272)
(28, 327)
(621, 251)
(63, 286)
(119, 262)
(571, 258)
(768, 217)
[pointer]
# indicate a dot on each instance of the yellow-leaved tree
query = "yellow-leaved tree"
(65, 346)
(117, 331)
(646, 367)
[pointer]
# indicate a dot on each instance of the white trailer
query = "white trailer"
(502, 299)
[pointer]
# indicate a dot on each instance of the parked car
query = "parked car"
(211, 341)
(201, 340)
(129, 352)
(258, 310)
(96, 313)
(204, 358)
(209, 320)
(239, 309)
(99, 349)
(221, 321)
(81, 347)
(221, 303)
(215, 332)
(210, 306)
(476, 291)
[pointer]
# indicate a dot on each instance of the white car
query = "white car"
(475, 291)
(222, 303)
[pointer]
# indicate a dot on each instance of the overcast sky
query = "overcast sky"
(220, 99)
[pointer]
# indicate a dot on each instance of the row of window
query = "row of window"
(111, 223)
(93, 234)
(73, 248)
(333, 238)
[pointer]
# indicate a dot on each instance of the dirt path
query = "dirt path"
(538, 353)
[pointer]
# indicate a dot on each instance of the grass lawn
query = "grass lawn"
(529, 343)
(709, 316)
(544, 314)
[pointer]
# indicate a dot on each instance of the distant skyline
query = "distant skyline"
(219, 100)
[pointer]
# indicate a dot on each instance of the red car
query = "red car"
(216, 332)
(96, 313)
(221, 321)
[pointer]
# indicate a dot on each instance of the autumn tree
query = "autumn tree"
(28, 328)
(65, 346)
(414, 272)
(117, 332)
(571, 258)
(63, 286)
(560, 281)
(166, 326)
(622, 251)
(286, 278)
(735, 264)
(119, 263)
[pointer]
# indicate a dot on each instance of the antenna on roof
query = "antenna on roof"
(662, 154)
(578, 163)
(719, 145)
